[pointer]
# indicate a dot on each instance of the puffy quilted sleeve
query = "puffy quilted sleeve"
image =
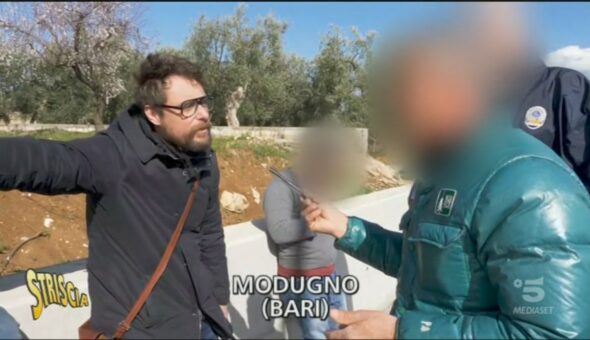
(373, 245)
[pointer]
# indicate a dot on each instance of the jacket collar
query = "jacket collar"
(130, 123)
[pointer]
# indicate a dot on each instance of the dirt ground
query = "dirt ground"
(62, 218)
(23, 215)
(241, 172)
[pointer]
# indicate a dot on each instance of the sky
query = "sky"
(563, 29)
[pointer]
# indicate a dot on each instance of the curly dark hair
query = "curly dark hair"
(154, 71)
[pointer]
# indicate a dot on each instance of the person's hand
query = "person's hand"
(225, 311)
(324, 219)
(363, 324)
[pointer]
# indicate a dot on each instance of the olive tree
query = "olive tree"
(339, 77)
(253, 80)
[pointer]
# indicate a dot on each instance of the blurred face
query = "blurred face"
(329, 162)
(436, 103)
(187, 133)
(502, 30)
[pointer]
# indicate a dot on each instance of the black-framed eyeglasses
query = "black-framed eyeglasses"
(189, 108)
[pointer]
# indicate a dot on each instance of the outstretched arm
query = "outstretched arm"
(366, 241)
(53, 168)
(370, 243)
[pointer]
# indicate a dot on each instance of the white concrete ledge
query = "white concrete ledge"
(248, 254)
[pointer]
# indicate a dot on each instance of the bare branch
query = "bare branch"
(90, 38)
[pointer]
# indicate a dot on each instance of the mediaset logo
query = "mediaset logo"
(532, 293)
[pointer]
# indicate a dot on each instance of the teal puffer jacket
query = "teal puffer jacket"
(496, 244)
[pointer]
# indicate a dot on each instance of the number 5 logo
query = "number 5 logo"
(532, 290)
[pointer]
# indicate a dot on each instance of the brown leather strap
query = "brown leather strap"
(125, 325)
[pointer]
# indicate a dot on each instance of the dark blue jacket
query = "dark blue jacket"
(555, 109)
(136, 186)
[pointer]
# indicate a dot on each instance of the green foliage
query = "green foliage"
(339, 78)
(363, 190)
(56, 135)
(43, 98)
(233, 53)
(54, 95)
(80, 48)
(280, 89)
(261, 149)
(264, 150)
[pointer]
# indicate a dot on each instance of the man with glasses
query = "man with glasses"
(137, 176)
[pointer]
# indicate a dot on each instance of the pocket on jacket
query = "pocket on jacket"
(441, 261)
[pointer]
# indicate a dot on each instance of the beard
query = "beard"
(196, 143)
(193, 141)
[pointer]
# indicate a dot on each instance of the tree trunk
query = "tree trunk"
(232, 117)
(233, 105)
(98, 118)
